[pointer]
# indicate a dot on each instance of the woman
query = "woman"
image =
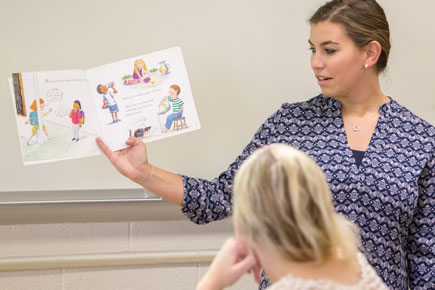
(286, 224)
(377, 156)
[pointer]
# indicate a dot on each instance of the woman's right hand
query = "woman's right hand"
(133, 163)
(130, 162)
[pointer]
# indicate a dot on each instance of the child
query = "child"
(109, 101)
(77, 118)
(177, 106)
(140, 73)
(33, 118)
(285, 223)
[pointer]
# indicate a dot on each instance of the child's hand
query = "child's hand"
(232, 261)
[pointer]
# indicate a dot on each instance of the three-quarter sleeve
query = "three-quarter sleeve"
(421, 241)
(210, 200)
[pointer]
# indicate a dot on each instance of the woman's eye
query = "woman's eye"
(312, 49)
(329, 51)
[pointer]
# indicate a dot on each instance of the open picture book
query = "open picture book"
(60, 113)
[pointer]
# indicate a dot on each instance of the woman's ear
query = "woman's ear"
(373, 51)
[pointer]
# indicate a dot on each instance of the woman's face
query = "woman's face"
(337, 63)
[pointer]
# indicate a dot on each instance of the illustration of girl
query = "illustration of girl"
(33, 118)
(78, 118)
(140, 73)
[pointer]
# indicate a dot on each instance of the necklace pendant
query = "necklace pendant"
(356, 128)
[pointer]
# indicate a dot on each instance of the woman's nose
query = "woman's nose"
(317, 62)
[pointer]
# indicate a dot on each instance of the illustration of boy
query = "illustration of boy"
(177, 106)
(77, 119)
(109, 101)
(33, 118)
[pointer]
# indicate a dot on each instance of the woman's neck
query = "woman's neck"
(363, 102)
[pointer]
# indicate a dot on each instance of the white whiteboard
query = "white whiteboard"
(244, 58)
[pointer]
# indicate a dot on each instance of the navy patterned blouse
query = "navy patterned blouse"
(390, 196)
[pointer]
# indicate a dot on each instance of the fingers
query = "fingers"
(131, 141)
(250, 261)
(257, 273)
(245, 265)
(106, 150)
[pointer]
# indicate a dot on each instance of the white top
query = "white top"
(109, 97)
(369, 281)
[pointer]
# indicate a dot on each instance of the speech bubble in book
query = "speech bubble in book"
(54, 95)
(61, 111)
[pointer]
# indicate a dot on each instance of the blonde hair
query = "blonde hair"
(282, 202)
(136, 63)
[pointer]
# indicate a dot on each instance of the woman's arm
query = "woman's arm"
(133, 163)
(421, 241)
(202, 200)
(206, 201)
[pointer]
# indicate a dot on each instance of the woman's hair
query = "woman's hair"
(33, 106)
(282, 203)
(364, 21)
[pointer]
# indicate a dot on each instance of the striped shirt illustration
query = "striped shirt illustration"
(176, 103)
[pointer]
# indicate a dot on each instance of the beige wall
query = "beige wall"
(124, 255)
(244, 59)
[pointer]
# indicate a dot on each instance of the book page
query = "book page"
(63, 124)
(147, 96)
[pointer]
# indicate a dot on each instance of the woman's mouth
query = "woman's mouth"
(322, 80)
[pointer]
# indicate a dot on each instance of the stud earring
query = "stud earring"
(366, 66)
